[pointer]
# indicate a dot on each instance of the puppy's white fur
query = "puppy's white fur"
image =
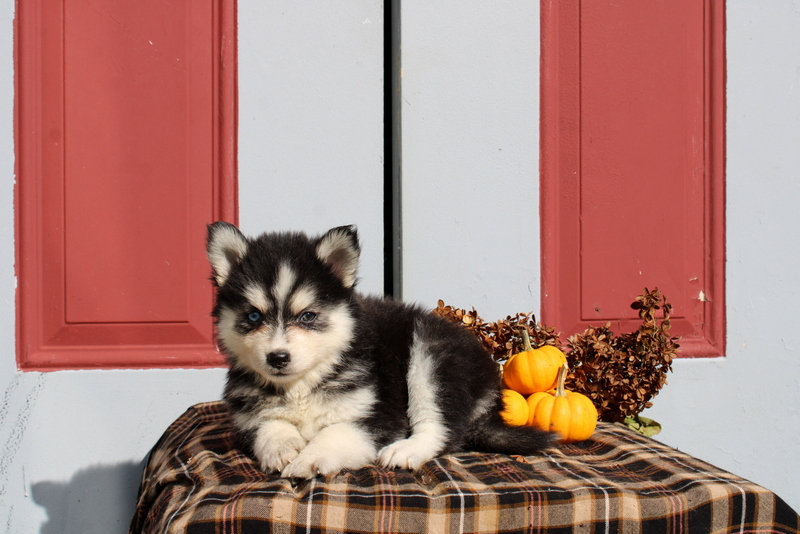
(428, 433)
(286, 278)
(256, 295)
(277, 443)
(336, 447)
(336, 249)
(227, 248)
(315, 424)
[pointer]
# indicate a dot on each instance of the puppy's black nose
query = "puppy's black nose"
(278, 360)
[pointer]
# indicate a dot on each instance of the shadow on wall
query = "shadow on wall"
(96, 500)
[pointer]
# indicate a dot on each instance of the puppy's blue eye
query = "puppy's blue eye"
(308, 317)
(254, 317)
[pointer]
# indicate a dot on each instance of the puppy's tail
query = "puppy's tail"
(490, 433)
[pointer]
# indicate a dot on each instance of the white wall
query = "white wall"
(72, 443)
(311, 121)
(470, 132)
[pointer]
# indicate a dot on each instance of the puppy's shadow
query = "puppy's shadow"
(98, 499)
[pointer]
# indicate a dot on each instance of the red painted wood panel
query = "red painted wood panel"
(632, 164)
(125, 142)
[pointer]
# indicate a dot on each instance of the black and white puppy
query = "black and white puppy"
(323, 379)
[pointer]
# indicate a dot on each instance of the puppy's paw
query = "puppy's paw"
(276, 446)
(277, 456)
(308, 465)
(337, 447)
(408, 453)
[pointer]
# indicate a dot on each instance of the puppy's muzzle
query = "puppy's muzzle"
(278, 360)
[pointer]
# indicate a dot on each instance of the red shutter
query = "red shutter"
(632, 164)
(125, 145)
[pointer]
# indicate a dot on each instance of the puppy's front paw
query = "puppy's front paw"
(407, 453)
(276, 445)
(308, 465)
(337, 447)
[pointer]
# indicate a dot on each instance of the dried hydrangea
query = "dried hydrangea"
(619, 373)
(501, 338)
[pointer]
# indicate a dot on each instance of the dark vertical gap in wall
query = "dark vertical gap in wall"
(392, 248)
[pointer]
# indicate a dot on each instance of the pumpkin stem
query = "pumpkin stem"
(562, 379)
(526, 339)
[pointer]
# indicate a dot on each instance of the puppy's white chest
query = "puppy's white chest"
(307, 414)
(311, 413)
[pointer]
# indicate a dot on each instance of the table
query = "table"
(196, 481)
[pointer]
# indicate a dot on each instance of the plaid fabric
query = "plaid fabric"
(618, 481)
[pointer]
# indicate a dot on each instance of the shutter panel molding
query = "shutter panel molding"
(632, 165)
(126, 140)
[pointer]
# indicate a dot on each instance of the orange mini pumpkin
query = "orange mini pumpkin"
(572, 415)
(515, 411)
(533, 370)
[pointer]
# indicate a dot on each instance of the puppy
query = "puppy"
(323, 379)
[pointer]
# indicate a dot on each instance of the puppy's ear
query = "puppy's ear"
(226, 246)
(340, 251)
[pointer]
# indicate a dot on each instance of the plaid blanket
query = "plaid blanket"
(618, 481)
